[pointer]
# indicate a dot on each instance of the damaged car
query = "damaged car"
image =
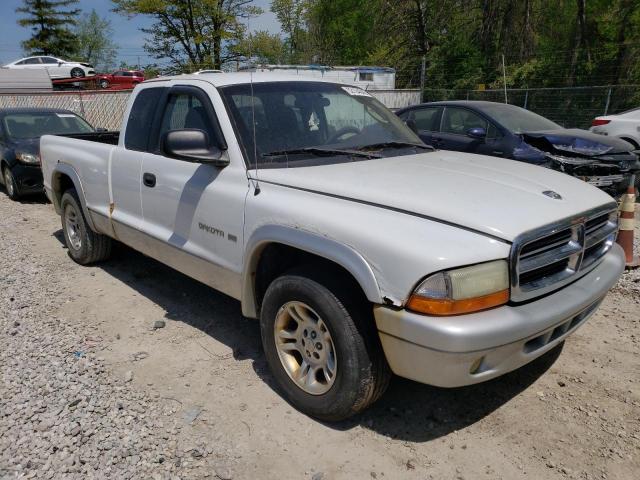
(508, 131)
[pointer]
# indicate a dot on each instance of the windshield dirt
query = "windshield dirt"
(311, 123)
(34, 125)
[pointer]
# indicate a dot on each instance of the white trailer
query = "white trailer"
(368, 78)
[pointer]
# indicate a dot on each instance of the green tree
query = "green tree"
(192, 34)
(263, 47)
(292, 15)
(341, 31)
(49, 20)
(94, 41)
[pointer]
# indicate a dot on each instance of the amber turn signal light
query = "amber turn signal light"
(445, 306)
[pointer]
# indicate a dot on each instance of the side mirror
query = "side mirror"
(59, 63)
(412, 125)
(478, 133)
(192, 145)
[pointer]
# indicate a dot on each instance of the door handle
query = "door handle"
(149, 179)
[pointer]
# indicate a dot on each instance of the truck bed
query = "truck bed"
(110, 138)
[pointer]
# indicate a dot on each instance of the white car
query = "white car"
(361, 250)
(625, 125)
(56, 67)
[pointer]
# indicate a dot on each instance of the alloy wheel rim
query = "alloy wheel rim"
(305, 348)
(73, 227)
(8, 182)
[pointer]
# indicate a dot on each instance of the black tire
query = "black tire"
(104, 83)
(362, 373)
(77, 72)
(10, 184)
(92, 247)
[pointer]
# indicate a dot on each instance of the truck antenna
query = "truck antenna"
(256, 187)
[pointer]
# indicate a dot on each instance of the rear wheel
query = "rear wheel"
(10, 184)
(77, 72)
(322, 346)
(85, 246)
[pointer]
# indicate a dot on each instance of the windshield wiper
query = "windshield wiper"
(396, 144)
(321, 152)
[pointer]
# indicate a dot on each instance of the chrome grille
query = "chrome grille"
(548, 258)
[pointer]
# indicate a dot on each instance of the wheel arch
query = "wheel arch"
(298, 246)
(63, 178)
(630, 140)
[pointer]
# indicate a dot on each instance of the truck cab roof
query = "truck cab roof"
(236, 78)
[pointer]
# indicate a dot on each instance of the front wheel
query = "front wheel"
(85, 246)
(10, 184)
(326, 358)
(104, 83)
(77, 72)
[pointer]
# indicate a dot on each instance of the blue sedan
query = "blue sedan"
(509, 131)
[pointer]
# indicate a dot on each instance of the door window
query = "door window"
(49, 60)
(460, 120)
(31, 61)
(493, 133)
(425, 119)
(185, 110)
(141, 119)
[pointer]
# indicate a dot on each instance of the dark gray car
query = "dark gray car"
(20, 132)
(503, 130)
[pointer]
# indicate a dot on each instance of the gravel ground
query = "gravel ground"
(131, 370)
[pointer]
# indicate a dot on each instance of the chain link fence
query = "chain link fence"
(100, 109)
(571, 107)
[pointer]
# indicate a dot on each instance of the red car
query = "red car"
(120, 80)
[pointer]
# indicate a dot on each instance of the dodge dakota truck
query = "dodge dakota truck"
(362, 251)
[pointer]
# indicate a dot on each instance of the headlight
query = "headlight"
(30, 158)
(462, 290)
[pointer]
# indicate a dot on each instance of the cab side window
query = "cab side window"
(141, 119)
(185, 111)
(460, 120)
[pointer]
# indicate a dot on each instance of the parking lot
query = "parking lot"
(92, 390)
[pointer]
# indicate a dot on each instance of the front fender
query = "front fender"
(321, 246)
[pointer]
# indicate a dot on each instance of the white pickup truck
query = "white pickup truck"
(362, 251)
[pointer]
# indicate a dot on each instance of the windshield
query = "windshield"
(519, 120)
(36, 124)
(310, 123)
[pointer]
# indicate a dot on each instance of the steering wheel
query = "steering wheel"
(343, 131)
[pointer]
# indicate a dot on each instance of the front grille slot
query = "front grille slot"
(530, 278)
(543, 244)
(549, 258)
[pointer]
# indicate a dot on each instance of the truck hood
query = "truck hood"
(494, 196)
(576, 142)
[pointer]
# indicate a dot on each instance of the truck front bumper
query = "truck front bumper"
(467, 349)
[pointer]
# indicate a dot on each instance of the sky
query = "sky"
(127, 35)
